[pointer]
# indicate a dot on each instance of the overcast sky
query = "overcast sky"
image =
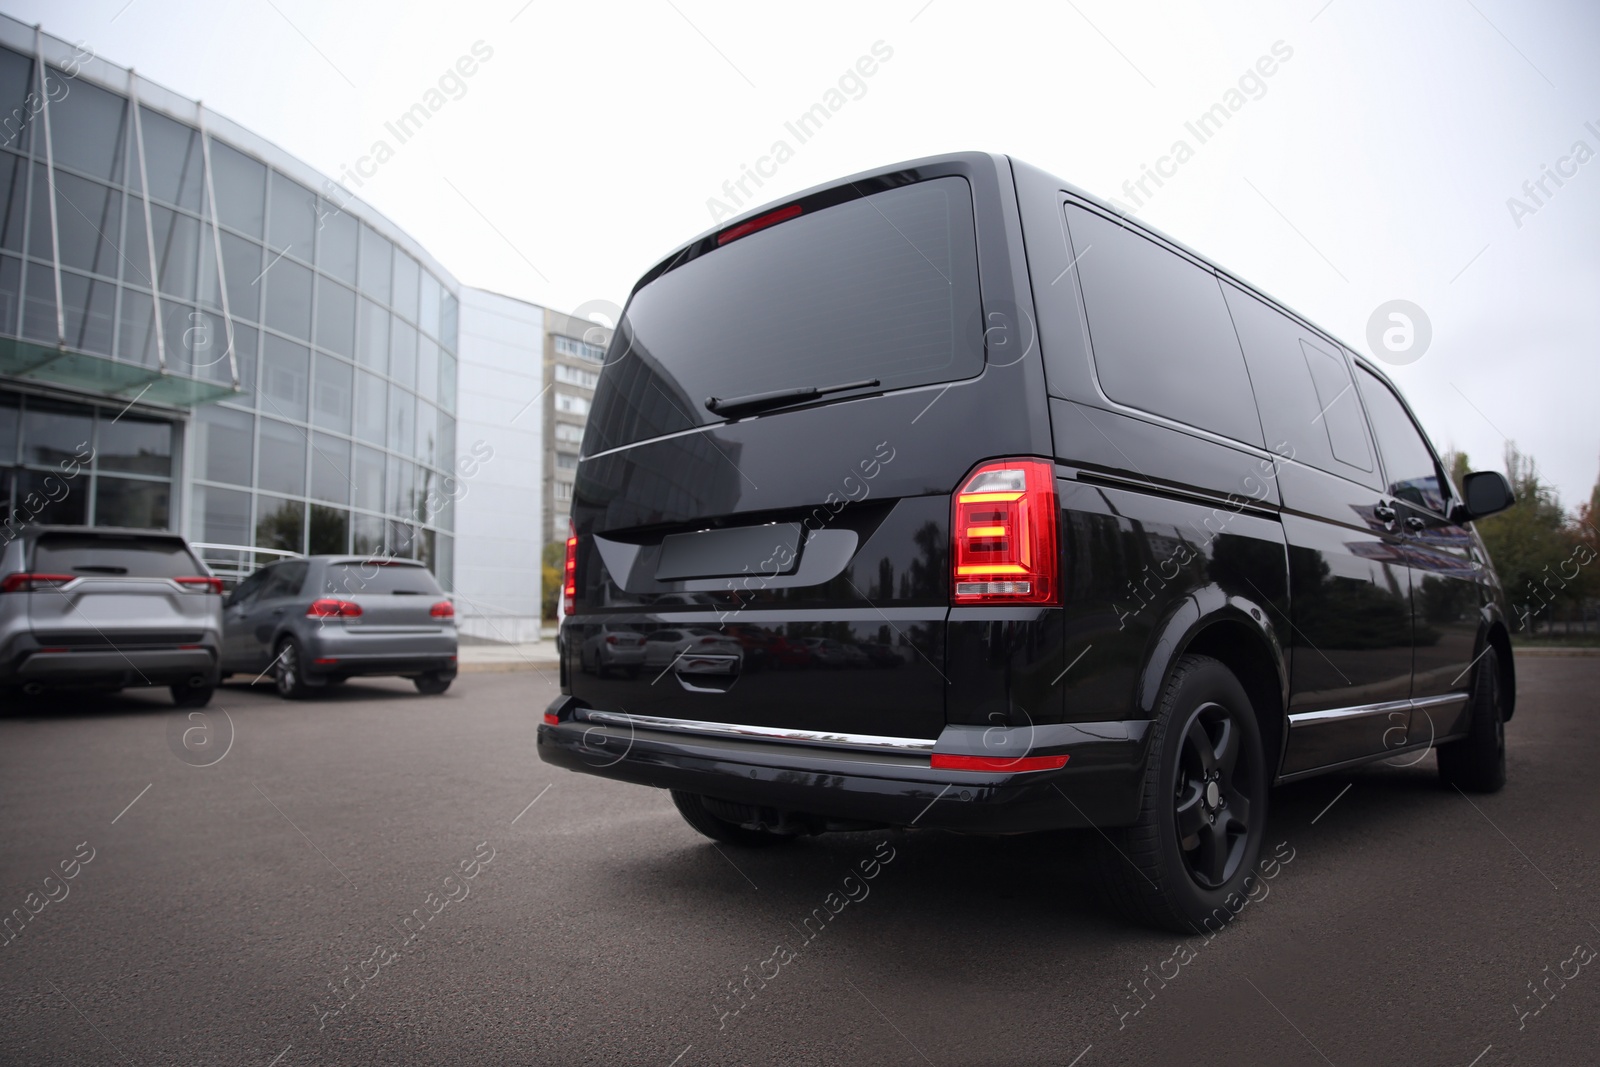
(1376, 162)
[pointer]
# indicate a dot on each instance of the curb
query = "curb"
(1533, 651)
(507, 666)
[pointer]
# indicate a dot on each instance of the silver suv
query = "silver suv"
(108, 608)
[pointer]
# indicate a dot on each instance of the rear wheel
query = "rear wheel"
(1188, 861)
(1477, 762)
(191, 696)
(692, 806)
(288, 671)
(433, 683)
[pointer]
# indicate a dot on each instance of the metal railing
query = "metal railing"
(233, 563)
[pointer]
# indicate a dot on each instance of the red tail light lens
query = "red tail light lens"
(201, 583)
(28, 583)
(943, 762)
(1003, 534)
(760, 222)
(443, 610)
(569, 583)
(329, 608)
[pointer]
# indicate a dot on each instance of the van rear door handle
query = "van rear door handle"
(1384, 512)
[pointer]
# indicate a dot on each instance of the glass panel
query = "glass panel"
(10, 415)
(196, 342)
(373, 350)
(280, 524)
(13, 180)
(88, 127)
(88, 218)
(445, 562)
(366, 534)
(397, 499)
(376, 253)
(337, 235)
(177, 247)
(291, 217)
(224, 515)
(403, 354)
(1408, 463)
(448, 314)
(336, 317)
(428, 313)
(39, 312)
(241, 261)
(53, 433)
(402, 420)
(241, 189)
(245, 340)
(283, 457)
(372, 407)
(447, 442)
(447, 381)
(427, 433)
(427, 368)
(10, 293)
(289, 298)
(130, 502)
(332, 405)
(406, 275)
(172, 158)
(368, 481)
(90, 311)
(330, 469)
(425, 548)
(135, 445)
(330, 530)
(402, 540)
(223, 442)
(136, 333)
(48, 496)
(16, 82)
(285, 378)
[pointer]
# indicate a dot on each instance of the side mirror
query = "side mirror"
(1487, 493)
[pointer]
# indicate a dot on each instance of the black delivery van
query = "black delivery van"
(945, 496)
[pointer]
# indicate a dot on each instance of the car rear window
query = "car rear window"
(884, 286)
(132, 557)
(373, 577)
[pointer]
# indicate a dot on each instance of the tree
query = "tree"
(1532, 545)
(552, 562)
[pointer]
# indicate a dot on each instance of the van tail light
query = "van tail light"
(760, 222)
(329, 608)
(1003, 534)
(443, 610)
(569, 582)
(28, 583)
(201, 583)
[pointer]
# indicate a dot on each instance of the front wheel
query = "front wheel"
(433, 683)
(1186, 865)
(1477, 762)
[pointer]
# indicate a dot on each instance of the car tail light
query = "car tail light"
(569, 584)
(611, 639)
(329, 608)
(942, 762)
(202, 583)
(552, 719)
(443, 610)
(28, 583)
(760, 222)
(1003, 534)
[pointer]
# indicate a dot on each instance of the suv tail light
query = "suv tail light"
(28, 583)
(1003, 534)
(443, 610)
(203, 583)
(569, 583)
(329, 608)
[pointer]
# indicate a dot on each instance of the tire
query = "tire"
(693, 809)
(433, 683)
(1477, 762)
(1205, 735)
(191, 696)
(288, 671)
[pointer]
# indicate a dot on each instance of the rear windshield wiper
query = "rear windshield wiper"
(733, 407)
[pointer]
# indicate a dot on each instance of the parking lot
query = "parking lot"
(377, 876)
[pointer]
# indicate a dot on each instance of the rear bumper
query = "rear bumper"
(331, 652)
(1099, 786)
(25, 663)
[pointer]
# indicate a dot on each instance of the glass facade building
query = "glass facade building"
(228, 344)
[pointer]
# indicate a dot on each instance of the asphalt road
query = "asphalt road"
(330, 845)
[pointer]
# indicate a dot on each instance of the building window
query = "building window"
(571, 405)
(563, 491)
(586, 379)
(567, 461)
(568, 346)
(566, 431)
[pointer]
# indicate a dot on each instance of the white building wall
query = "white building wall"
(497, 520)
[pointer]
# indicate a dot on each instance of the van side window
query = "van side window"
(1160, 330)
(1408, 463)
(1309, 407)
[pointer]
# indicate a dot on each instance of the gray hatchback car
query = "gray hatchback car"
(106, 608)
(324, 619)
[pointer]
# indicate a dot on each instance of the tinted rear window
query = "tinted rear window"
(133, 557)
(352, 578)
(881, 287)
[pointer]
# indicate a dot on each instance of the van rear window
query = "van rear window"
(885, 286)
(131, 557)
